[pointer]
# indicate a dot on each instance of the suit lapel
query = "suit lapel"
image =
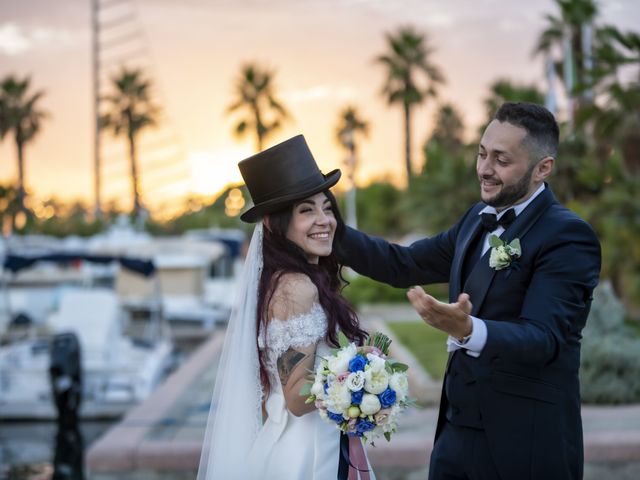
(481, 276)
(469, 232)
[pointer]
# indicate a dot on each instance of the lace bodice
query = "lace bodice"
(297, 331)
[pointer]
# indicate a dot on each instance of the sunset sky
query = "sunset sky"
(322, 51)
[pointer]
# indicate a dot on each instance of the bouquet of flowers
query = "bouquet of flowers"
(361, 389)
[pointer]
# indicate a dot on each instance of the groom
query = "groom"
(521, 270)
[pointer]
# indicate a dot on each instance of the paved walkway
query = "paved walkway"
(161, 438)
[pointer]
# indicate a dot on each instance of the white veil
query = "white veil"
(235, 415)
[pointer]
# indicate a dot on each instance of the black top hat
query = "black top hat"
(281, 175)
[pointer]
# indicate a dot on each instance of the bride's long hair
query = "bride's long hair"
(280, 256)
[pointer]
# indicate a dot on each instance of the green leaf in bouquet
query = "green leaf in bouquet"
(305, 391)
(310, 399)
(412, 402)
(397, 366)
(343, 341)
(387, 435)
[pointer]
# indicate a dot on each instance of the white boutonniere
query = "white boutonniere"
(503, 254)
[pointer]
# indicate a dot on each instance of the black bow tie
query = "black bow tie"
(490, 221)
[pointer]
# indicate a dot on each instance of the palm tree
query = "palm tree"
(9, 208)
(20, 114)
(349, 126)
(616, 117)
(448, 132)
(407, 59)
(567, 33)
(131, 109)
(504, 90)
(264, 113)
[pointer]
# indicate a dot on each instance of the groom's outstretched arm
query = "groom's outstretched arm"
(425, 261)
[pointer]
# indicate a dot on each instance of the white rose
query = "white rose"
(400, 384)
(339, 363)
(370, 404)
(376, 363)
(376, 381)
(338, 398)
(317, 389)
(355, 381)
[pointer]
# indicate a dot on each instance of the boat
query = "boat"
(123, 358)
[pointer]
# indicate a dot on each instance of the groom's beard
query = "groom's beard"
(510, 194)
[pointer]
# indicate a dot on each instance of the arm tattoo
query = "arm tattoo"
(287, 362)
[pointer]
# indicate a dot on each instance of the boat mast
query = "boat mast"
(95, 51)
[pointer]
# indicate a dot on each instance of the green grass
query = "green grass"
(362, 290)
(634, 325)
(427, 344)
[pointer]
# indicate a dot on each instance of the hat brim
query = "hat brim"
(256, 212)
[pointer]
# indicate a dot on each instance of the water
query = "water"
(27, 449)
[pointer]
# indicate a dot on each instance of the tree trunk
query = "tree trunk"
(407, 141)
(21, 190)
(259, 132)
(134, 176)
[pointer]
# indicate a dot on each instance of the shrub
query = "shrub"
(610, 372)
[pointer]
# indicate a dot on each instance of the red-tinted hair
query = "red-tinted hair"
(280, 256)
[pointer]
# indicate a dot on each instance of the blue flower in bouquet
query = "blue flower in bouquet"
(357, 363)
(336, 417)
(365, 385)
(387, 398)
(364, 425)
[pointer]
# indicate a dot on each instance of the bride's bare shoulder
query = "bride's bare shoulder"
(294, 295)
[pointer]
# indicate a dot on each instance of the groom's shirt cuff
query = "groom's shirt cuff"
(475, 343)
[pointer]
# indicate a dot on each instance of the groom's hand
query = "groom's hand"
(452, 318)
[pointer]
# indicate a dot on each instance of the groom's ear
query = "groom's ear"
(543, 169)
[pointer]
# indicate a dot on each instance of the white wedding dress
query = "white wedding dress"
(289, 447)
(238, 444)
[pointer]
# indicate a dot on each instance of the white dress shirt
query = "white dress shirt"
(475, 342)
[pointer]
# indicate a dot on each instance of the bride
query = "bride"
(287, 315)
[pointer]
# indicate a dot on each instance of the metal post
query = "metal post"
(95, 8)
(569, 78)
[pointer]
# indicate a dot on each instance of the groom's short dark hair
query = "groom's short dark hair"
(542, 129)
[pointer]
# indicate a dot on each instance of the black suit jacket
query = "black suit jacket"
(527, 374)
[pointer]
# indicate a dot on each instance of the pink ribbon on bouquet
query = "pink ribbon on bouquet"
(358, 465)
